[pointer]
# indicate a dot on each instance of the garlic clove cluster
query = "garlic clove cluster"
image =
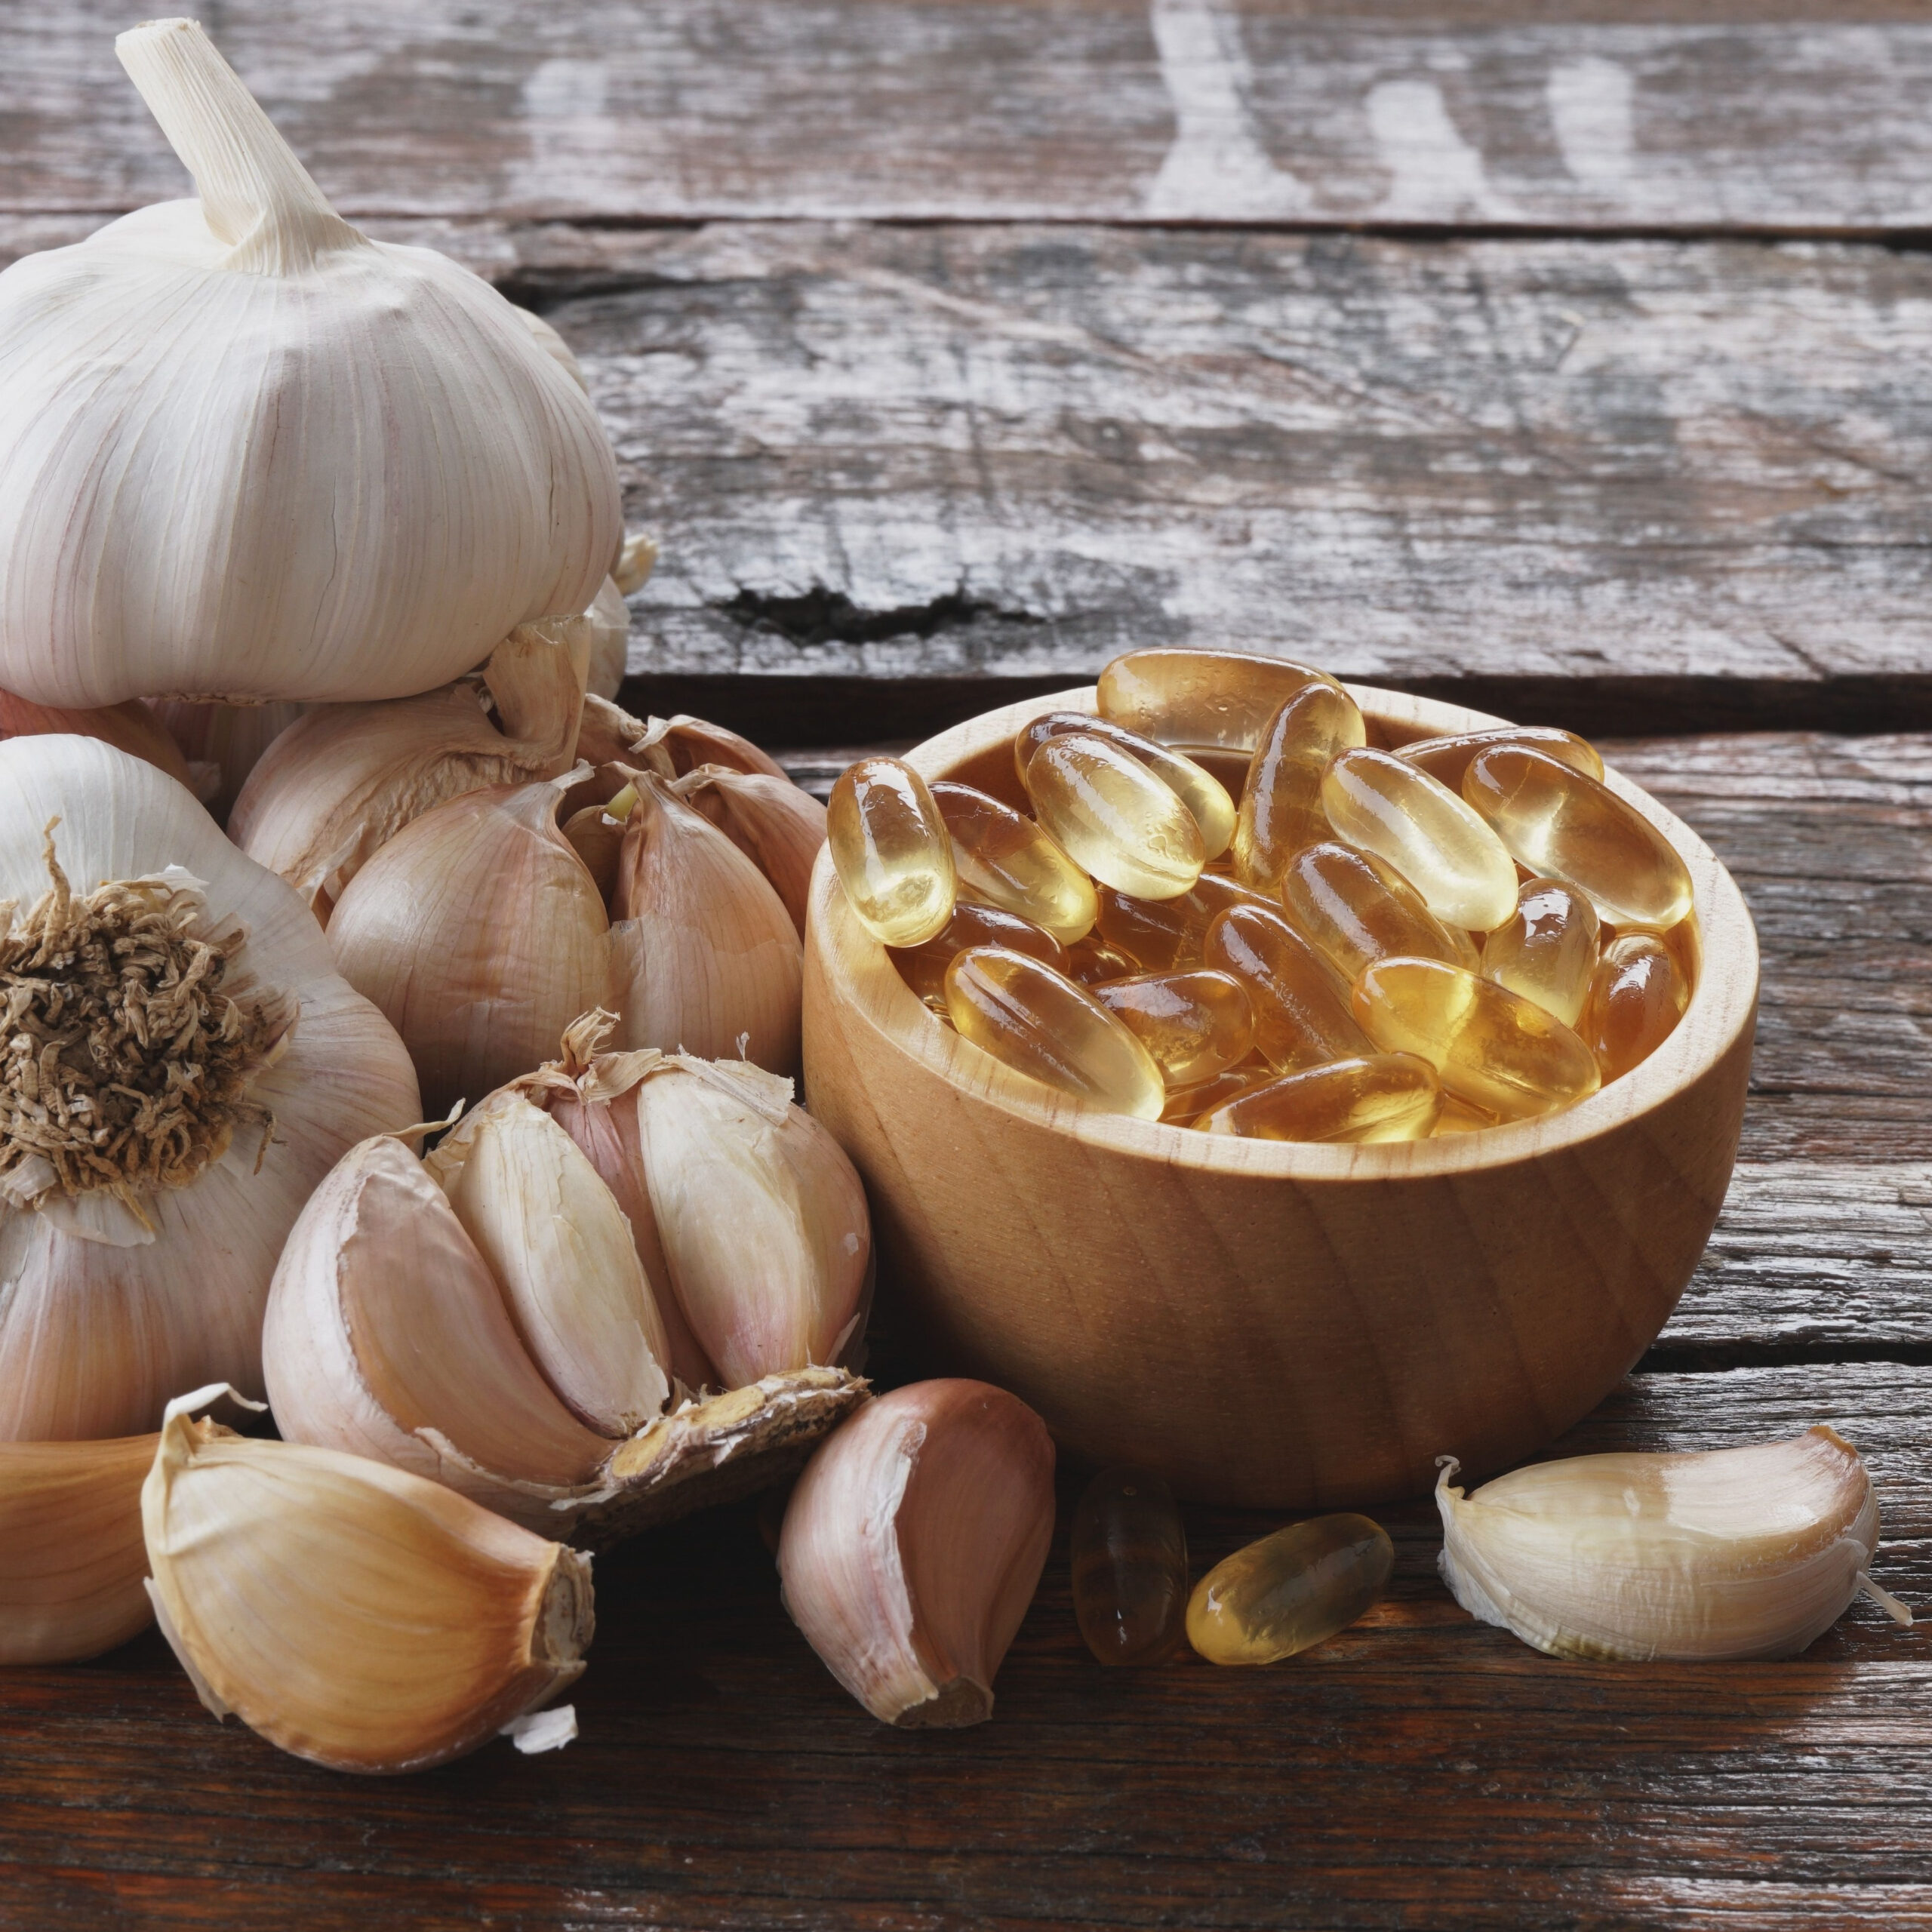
(349, 1612)
(1686, 1556)
(673, 746)
(912, 1545)
(778, 825)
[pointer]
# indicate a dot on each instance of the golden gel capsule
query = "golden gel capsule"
(1228, 766)
(1302, 1017)
(1001, 857)
(1559, 823)
(1548, 950)
(1291, 1590)
(1437, 842)
(1492, 1047)
(1459, 1117)
(1281, 796)
(1130, 1568)
(1636, 998)
(1164, 933)
(1185, 1105)
(1446, 759)
(1092, 962)
(1385, 1096)
(1355, 909)
(1196, 1023)
(1201, 697)
(891, 850)
(1113, 817)
(1199, 790)
(923, 967)
(1039, 1023)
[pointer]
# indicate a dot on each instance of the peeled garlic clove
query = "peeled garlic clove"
(777, 825)
(610, 620)
(229, 738)
(71, 1559)
(673, 746)
(1686, 1556)
(635, 561)
(131, 726)
(912, 1545)
(349, 1612)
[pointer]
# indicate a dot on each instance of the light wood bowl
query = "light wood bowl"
(1266, 1322)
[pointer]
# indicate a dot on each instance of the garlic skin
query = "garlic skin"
(117, 1296)
(131, 726)
(609, 618)
(229, 738)
(673, 746)
(1689, 1556)
(350, 1612)
(246, 453)
(912, 1545)
(778, 825)
(70, 1526)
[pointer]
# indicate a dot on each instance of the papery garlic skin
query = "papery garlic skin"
(350, 1613)
(912, 1545)
(231, 738)
(106, 1309)
(248, 453)
(131, 726)
(609, 617)
(778, 825)
(1690, 1556)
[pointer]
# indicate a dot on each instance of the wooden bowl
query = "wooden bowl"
(1268, 1323)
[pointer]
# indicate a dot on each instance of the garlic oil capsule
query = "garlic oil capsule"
(1492, 1047)
(1092, 962)
(1200, 697)
(1420, 827)
(923, 967)
(1196, 1024)
(1187, 1104)
(1000, 856)
(1560, 823)
(1356, 908)
(1281, 794)
(1130, 1568)
(1199, 790)
(1114, 818)
(891, 850)
(1302, 1016)
(1039, 1023)
(1548, 950)
(1290, 1591)
(1384, 1097)
(1163, 934)
(1636, 996)
(1445, 759)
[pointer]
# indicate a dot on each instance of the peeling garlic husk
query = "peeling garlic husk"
(347, 1612)
(673, 746)
(778, 825)
(225, 740)
(912, 1545)
(1688, 1556)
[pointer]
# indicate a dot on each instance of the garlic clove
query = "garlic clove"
(351, 1613)
(1685, 1556)
(131, 726)
(609, 618)
(70, 1531)
(553, 345)
(230, 739)
(606, 732)
(913, 1543)
(635, 561)
(673, 746)
(777, 825)
(597, 839)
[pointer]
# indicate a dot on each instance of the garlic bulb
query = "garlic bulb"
(350, 1613)
(778, 825)
(229, 738)
(70, 1531)
(912, 1545)
(672, 746)
(248, 453)
(131, 726)
(144, 1199)
(1690, 1556)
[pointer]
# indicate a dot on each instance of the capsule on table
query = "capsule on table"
(891, 849)
(1636, 996)
(1001, 857)
(1164, 933)
(1201, 697)
(1199, 790)
(1039, 1023)
(1548, 950)
(1291, 1590)
(1281, 796)
(1185, 1105)
(1113, 817)
(1195, 1023)
(1302, 1016)
(1355, 909)
(1130, 1568)
(1560, 823)
(923, 967)
(1382, 1097)
(1446, 759)
(1495, 1049)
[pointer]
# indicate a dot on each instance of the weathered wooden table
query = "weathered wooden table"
(1570, 358)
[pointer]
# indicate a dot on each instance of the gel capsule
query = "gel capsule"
(1492, 1047)
(923, 967)
(1199, 790)
(1201, 697)
(1195, 1023)
(1548, 951)
(1039, 1023)
(1355, 909)
(1290, 1591)
(1437, 843)
(1560, 824)
(1001, 857)
(1459, 1117)
(1636, 997)
(1280, 797)
(1113, 817)
(891, 850)
(1302, 1017)
(1185, 1105)
(1163, 934)
(1228, 766)
(1092, 962)
(1130, 1568)
(1446, 759)
(1385, 1096)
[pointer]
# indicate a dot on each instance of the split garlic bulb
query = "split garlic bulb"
(778, 825)
(246, 452)
(184, 1063)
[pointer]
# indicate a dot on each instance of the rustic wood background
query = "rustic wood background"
(1568, 358)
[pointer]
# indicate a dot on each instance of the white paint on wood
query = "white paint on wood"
(1436, 175)
(1591, 108)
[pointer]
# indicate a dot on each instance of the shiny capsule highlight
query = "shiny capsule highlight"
(1636, 996)
(891, 850)
(1384, 1097)
(1547, 949)
(1000, 856)
(1301, 1003)
(1200, 697)
(1281, 795)
(923, 967)
(1195, 1023)
(1164, 933)
(1204, 795)
(1447, 758)
(1356, 909)
(1130, 1568)
(1113, 817)
(1290, 1591)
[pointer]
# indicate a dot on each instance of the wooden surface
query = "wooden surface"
(1538, 356)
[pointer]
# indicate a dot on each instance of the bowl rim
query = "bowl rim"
(1723, 1004)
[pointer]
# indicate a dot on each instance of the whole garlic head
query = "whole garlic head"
(248, 453)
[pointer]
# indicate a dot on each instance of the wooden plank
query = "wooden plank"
(1767, 116)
